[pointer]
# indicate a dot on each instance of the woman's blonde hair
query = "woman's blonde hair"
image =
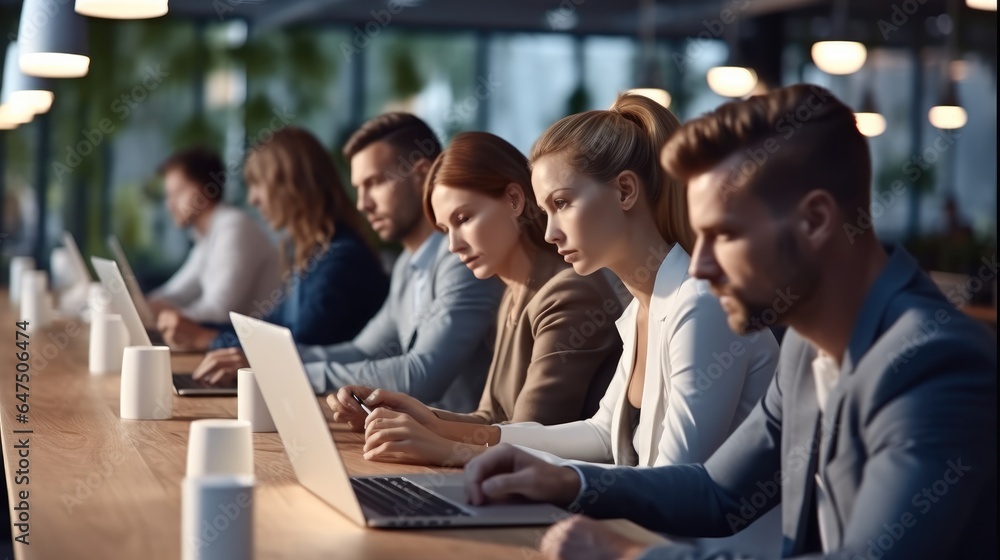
(626, 137)
(306, 193)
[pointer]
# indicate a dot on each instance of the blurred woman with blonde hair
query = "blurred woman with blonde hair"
(333, 282)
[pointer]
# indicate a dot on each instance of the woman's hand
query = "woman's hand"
(395, 437)
(182, 333)
(346, 409)
(220, 366)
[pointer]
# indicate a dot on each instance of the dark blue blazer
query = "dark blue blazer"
(906, 449)
(328, 301)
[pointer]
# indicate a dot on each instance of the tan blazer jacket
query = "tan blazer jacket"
(553, 363)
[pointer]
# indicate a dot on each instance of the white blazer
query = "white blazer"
(701, 381)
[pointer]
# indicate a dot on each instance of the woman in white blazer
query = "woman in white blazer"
(685, 381)
(701, 381)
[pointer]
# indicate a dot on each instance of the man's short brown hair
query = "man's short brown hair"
(792, 140)
(202, 166)
(407, 133)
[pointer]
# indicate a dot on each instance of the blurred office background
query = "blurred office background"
(224, 73)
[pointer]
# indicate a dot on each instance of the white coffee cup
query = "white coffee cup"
(34, 299)
(63, 273)
(17, 267)
(108, 339)
(147, 388)
(220, 446)
(250, 405)
(217, 517)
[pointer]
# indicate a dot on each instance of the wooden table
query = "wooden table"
(101, 487)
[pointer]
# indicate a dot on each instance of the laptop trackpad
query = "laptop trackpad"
(450, 486)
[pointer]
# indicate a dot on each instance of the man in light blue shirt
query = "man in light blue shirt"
(433, 337)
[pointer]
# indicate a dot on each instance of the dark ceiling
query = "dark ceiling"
(673, 18)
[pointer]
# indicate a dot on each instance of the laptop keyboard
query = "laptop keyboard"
(185, 381)
(398, 497)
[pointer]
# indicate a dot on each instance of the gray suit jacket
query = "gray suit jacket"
(906, 450)
(439, 355)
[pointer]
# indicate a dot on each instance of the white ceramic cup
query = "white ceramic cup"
(63, 274)
(217, 517)
(108, 339)
(250, 405)
(34, 299)
(17, 267)
(218, 446)
(147, 389)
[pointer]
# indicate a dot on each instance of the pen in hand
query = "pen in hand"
(361, 403)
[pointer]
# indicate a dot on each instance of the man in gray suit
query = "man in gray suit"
(878, 433)
(433, 337)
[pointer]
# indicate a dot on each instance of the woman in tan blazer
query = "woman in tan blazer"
(556, 345)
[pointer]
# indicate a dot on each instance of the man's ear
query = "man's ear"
(421, 168)
(817, 218)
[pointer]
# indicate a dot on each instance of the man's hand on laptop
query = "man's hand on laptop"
(182, 333)
(504, 473)
(220, 366)
(347, 411)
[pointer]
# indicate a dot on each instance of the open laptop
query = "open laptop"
(142, 306)
(404, 501)
(73, 297)
(76, 258)
(122, 303)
